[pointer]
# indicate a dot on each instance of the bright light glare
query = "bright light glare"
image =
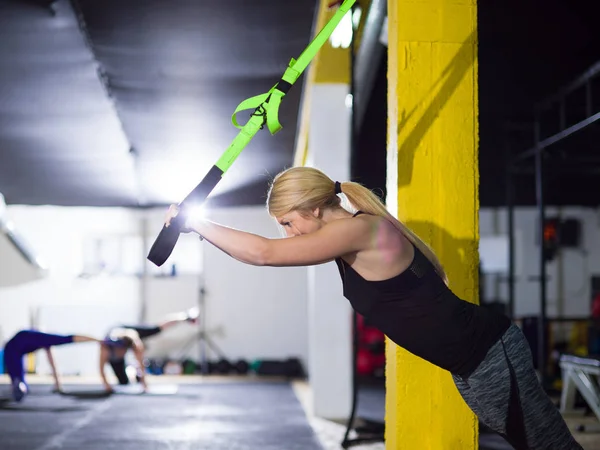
(171, 180)
(41, 264)
(195, 213)
(342, 35)
(131, 372)
(349, 101)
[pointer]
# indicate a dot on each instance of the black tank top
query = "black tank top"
(418, 312)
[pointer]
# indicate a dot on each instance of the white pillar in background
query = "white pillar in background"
(329, 313)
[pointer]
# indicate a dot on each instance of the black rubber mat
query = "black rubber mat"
(216, 416)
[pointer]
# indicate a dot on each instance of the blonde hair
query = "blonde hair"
(304, 189)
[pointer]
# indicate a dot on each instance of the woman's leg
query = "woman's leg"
(118, 367)
(493, 415)
(544, 425)
(506, 395)
(83, 338)
(13, 365)
(170, 320)
(46, 340)
(144, 331)
(31, 340)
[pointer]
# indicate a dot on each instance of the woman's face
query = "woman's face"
(296, 224)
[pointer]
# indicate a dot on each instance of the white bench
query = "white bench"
(580, 373)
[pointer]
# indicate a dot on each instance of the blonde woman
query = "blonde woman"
(396, 281)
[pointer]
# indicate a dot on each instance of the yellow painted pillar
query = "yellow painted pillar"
(433, 187)
(30, 362)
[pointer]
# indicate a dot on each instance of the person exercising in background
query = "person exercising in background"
(122, 338)
(28, 341)
(113, 350)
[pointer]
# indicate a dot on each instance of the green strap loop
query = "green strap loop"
(267, 105)
(251, 103)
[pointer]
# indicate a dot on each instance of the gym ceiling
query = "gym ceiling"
(128, 103)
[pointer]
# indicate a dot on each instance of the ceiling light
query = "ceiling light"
(342, 35)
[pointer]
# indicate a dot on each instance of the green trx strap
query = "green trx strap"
(266, 111)
(266, 106)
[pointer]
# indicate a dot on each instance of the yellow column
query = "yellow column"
(433, 183)
(30, 362)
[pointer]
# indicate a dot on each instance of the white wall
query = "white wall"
(569, 273)
(329, 313)
(258, 312)
(165, 296)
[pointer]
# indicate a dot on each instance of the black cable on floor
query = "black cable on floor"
(372, 431)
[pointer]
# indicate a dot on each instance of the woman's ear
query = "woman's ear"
(317, 213)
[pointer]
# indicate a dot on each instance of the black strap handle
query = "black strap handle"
(167, 238)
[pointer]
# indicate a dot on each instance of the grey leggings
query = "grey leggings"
(505, 394)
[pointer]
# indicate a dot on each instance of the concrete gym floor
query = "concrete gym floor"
(227, 415)
(233, 413)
